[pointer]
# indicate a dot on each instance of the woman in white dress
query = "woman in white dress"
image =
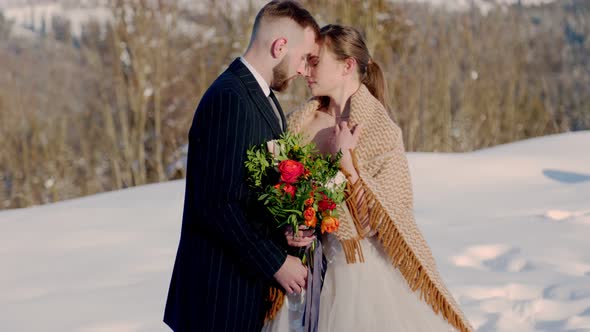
(380, 274)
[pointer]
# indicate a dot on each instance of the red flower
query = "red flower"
(290, 189)
(290, 170)
(287, 188)
(326, 204)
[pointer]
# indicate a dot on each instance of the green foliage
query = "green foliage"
(317, 183)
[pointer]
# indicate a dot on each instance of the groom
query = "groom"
(228, 255)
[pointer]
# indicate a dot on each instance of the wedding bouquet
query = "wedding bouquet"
(298, 185)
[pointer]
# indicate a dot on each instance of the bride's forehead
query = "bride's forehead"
(325, 51)
(322, 48)
(315, 51)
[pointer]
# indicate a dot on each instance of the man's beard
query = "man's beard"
(280, 80)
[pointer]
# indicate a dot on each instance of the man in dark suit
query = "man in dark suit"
(228, 254)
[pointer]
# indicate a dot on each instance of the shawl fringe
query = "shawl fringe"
(400, 253)
(352, 250)
(275, 299)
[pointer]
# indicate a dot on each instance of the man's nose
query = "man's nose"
(301, 70)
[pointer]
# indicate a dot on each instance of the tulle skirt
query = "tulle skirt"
(369, 296)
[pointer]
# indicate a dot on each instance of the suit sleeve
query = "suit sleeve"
(220, 135)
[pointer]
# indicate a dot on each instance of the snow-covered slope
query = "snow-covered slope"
(509, 227)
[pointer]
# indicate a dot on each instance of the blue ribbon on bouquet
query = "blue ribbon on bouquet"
(315, 280)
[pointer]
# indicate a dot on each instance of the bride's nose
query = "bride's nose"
(308, 70)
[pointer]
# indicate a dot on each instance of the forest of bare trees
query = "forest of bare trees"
(111, 108)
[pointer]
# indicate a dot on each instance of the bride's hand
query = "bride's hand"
(344, 138)
(303, 239)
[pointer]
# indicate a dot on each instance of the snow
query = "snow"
(32, 16)
(508, 226)
(27, 14)
(467, 3)
(29, 18)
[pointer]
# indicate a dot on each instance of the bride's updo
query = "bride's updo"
(346, 42)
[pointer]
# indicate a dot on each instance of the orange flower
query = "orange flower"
(309, 201)
(330, 224)
(306, 173)
(310, 217)
(312, 223)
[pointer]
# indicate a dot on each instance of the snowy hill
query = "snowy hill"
(33, 14)
(509, 228)
(37, 16)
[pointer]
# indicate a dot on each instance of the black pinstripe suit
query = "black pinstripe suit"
(227, 252)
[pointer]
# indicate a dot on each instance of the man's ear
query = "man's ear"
(279, 47)
(349, 65)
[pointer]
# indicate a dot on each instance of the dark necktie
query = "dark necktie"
(273, 103)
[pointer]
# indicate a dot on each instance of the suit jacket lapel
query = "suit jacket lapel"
(255, 91)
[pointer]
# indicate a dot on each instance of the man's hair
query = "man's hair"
(286, 9)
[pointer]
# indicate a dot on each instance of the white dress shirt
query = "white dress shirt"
(265, 88)
(257, 76)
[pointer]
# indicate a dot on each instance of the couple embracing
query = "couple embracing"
(380, 274)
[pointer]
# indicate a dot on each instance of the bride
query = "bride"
(381, 275)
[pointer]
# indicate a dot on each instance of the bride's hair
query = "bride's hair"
(346, 42)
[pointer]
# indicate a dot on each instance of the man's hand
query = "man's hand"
(304, 237)
(292, 276)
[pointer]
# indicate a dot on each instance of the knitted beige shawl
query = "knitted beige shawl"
(388, 201)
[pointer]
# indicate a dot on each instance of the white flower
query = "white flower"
(274, 148)
(336, 181)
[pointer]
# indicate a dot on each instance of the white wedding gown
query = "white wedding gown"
(369, 296)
